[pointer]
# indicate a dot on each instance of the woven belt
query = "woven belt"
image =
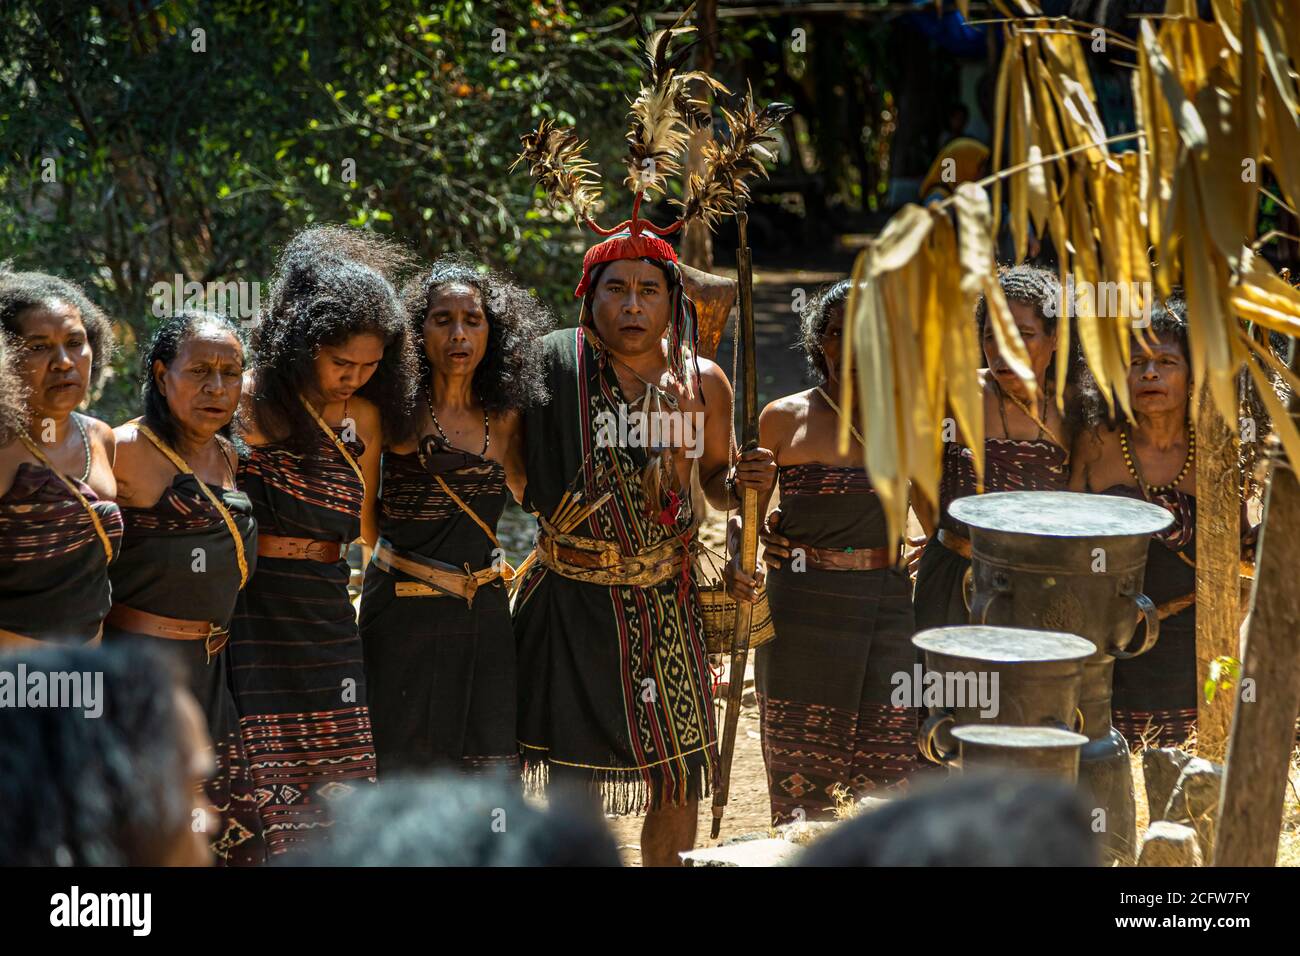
(169, 628)
(954, 542)
(849, 559)
(601, 562)
(298, 549)
(436, 579)
(13, 641)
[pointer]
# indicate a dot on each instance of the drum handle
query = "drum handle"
(925, 739)
(979, 609)
(1148, 611)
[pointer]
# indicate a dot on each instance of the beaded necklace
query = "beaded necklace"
(1135, 469)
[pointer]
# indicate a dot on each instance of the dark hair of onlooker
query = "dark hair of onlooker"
(111, 790)
(972, 820)
(452, 820)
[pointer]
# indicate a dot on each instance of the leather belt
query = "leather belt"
(596, 561)
(436, 579)
(955, 542)
(170, 628)
(13, 641)
(298, 549)
(848, 559)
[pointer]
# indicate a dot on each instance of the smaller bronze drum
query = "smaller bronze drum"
(1041, 750)
(1039, 675)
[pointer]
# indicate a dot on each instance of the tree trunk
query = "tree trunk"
(1218, 563)
(1263, 729)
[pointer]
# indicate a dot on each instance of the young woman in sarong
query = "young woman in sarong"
(332, 359)
(841, 607)
(1026, 447)
(1155, 459)
(190, 543)
(435, 616)
(59, 527)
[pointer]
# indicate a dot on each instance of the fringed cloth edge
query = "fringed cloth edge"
(621, 791)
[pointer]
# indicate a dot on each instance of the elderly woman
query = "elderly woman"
(1026, 447)
(332, 360)
(841, 607)
(59, 527)
(190, 543)
(435, 617)
(1155, 694)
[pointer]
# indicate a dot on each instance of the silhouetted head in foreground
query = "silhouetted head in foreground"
(450, 820)
(974, 820)
(102, 764)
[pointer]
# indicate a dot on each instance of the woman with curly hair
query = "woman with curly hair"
(435, 617)
(190, 543)
(1154, 702)
(13, 416)
(841, 608)
(332, 361)
(59, 527)
(1026, 445)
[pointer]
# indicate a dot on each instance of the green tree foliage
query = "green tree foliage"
(192, 137)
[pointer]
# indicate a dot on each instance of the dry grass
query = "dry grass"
(1288, 844)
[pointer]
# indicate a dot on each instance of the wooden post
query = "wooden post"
(1218, 562)
(1268, 699)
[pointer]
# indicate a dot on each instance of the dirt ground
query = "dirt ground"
(780, 373)
(747, 809)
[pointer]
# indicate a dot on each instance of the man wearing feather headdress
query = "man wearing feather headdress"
(615, 687)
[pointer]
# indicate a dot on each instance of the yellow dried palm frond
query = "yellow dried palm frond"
(1179, 210)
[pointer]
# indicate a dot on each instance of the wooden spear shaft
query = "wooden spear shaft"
(748, 518)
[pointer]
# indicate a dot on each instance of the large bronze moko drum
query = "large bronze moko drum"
(1071, 562)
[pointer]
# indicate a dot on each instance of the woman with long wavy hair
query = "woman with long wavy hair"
(332, 360)
(435, 616)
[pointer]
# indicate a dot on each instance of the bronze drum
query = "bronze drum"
(1042, 750)
(1064, 561)
(1039, 676)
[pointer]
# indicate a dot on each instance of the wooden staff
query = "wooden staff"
(748, 517)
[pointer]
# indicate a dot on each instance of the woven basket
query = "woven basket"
(719, 609)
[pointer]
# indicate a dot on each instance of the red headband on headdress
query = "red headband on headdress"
(623, 246)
